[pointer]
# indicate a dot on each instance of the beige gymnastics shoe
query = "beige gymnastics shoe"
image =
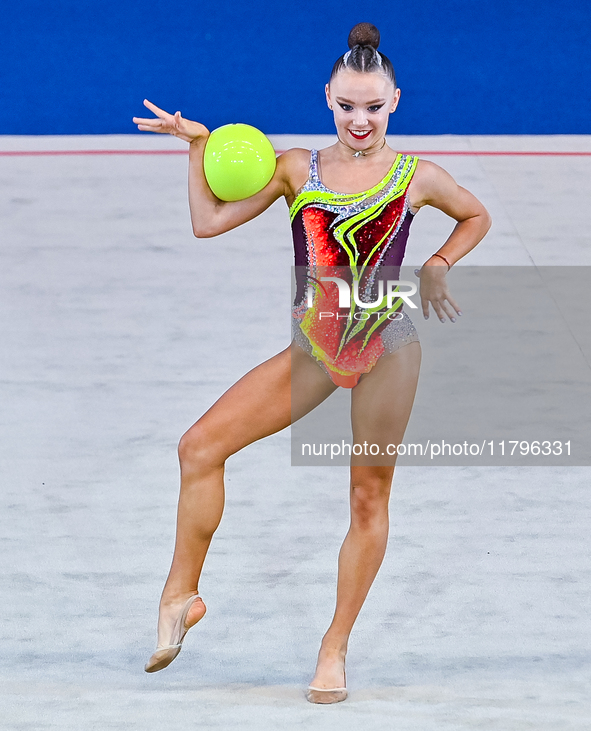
(327, 695)
(165, 654)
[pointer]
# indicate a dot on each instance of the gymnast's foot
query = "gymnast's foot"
(177, 615)
(170, 607)
(329, 683)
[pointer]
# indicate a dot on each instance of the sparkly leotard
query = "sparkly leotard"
(352, 236)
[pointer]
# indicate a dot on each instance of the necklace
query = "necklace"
(357, 153)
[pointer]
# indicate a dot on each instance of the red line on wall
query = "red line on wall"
(39, 153)
(34, 153)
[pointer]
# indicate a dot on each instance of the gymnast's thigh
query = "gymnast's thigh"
(310, 384)
(264, 401)
(381, 403)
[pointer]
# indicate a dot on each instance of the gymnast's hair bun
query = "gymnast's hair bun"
(364, 34)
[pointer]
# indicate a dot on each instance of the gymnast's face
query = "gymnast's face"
(362, 104)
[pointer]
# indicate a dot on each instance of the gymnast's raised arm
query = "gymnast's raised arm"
(211, 216)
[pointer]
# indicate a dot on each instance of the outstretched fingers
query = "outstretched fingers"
(147, 122)
(164, 122)
(157, 111)
(152, 125)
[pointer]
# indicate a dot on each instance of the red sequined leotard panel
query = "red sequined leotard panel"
(360, 234)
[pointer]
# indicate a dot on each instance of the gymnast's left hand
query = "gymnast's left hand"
(434, 290)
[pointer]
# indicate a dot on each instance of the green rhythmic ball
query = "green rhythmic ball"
(238, 161)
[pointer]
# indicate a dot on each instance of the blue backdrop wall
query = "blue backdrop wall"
(464, 66)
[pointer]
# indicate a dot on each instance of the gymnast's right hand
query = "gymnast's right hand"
(171, 124)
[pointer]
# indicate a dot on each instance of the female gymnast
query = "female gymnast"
(341, 216)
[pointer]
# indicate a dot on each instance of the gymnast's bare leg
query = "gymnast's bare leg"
(258, 405)
(381, 404)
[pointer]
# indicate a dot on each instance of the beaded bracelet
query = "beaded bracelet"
(445, 260)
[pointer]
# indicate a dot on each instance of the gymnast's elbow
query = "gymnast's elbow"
(202, 231)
